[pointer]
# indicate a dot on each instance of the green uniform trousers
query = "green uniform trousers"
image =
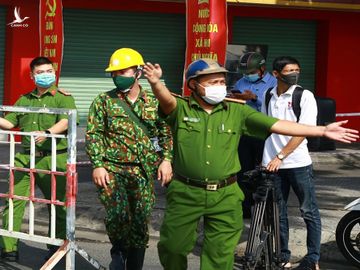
(223, 223)
(128, 200)
(22, 188)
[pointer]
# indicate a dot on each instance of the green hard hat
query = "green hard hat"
(251, 61)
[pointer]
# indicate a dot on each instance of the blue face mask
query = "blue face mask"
(45, 80)
(252, 77)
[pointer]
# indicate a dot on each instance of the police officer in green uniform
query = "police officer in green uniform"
(206, 131)
(129, 146)
(46, 94)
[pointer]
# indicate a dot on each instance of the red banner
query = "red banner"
(51, 32)
(206, 31)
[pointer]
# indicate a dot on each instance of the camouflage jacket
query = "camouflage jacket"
(113, 138)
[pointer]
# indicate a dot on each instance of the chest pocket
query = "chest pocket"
(229, 135)
(24, 119)
(149, 113)
(187, 132)
(47, 120)
(118, 121)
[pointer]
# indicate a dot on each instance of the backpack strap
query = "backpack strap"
(267, 99)
(296, 98)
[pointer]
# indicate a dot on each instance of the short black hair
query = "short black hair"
(38, 61)
(281, 61)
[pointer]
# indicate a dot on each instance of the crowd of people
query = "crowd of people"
(135, 136)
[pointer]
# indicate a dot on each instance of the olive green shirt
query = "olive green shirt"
(28, 122)
(205, 145)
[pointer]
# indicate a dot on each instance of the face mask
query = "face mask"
(252, 77)
(214, 94)
(291, 78)
(123, 83)
(44, 80)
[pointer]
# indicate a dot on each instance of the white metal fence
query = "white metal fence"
(67, 247)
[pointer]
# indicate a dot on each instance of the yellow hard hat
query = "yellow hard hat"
(124, 58)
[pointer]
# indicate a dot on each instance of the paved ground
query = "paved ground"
(337, 183)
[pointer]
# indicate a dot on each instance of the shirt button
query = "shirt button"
(208, 146)
(207, 162)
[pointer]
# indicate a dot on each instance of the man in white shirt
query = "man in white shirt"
(289, 156)
(251, 87)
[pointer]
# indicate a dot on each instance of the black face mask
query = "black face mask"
(291, 78)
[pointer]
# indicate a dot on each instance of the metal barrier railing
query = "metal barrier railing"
(348, 114)
(67, 247)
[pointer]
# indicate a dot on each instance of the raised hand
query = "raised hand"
(152, 72)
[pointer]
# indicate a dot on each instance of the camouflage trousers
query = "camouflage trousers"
(128, 200)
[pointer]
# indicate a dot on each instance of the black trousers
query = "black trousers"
(250, 154)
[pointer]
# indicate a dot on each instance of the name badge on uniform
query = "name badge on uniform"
(191, 119)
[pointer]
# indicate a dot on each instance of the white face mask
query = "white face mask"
(214, 94)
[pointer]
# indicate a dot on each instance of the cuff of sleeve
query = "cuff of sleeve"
(97, 164)
(168, 156)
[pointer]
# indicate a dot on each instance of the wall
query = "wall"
(343, 66)
(22, 45)
(337, 55)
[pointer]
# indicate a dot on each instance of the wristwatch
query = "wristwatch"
(280, 156)
(47, 132)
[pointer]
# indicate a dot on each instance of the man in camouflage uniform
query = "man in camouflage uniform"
(46, 94)
(122, 124)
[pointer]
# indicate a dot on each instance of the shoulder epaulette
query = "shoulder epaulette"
(179, 96)
(62, 91)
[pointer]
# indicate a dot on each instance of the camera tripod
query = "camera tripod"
(263, 244)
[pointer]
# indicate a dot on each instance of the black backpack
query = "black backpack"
(296, 98)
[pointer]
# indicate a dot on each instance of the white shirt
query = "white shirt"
(281, 108)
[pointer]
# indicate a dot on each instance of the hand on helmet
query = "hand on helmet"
(152, 72)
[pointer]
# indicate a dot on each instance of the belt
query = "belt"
(211, 186)
(44, 153)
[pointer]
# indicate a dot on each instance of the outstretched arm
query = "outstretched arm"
(333, 131)
(153, 74)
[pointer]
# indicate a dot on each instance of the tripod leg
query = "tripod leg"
(255, 228)
(277, 232)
